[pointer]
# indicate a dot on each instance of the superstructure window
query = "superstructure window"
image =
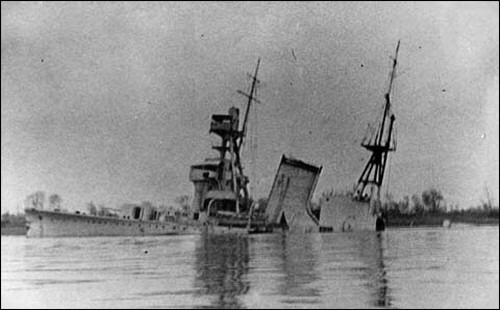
(136, 213)
(153, 216)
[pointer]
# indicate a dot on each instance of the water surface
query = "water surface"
(399, 268)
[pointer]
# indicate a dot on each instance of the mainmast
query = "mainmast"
(373, 174)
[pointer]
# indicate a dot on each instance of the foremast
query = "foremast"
(230, 176)
(380, 144)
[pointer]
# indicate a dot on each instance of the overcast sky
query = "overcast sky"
(111, 102)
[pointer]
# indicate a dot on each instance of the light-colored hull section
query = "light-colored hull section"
(290, 195)
(59, 224)
(342, 213)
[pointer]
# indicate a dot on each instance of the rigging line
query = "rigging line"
(250, 138)
(252, 156)
(394, 88)
(254, 152)
(388, 176)
(243, 142)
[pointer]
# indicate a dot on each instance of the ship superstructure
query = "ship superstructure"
(221, 197)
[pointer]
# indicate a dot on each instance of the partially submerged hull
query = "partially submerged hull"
(289, 203)
(42, 223)
(289, 199)
(342, 213)
(221, 201)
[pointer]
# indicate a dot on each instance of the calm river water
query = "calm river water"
(399, 268)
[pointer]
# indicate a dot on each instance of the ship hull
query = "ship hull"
(343, 214)
(41, 223)
(46, 224)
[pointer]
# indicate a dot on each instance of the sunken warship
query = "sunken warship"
(221, 202)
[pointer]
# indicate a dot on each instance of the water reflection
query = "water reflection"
(353, 272)
(312, 269)
(222, 269)
(372, 253)
(404, 268)
(298, 260)
(380, 274)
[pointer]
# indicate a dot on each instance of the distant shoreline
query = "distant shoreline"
(453, 224)
(438, 219)
(13, 230)
(13, 224)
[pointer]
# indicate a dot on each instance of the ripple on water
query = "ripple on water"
(406, 268)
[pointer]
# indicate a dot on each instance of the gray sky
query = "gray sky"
(111, 102)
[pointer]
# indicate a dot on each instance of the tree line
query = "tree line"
(430, 208)
(417, 208)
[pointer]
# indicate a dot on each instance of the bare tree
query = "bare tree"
(418, 207)
(404, 205)
(92, 208)
(432, 199)
(488, 204)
